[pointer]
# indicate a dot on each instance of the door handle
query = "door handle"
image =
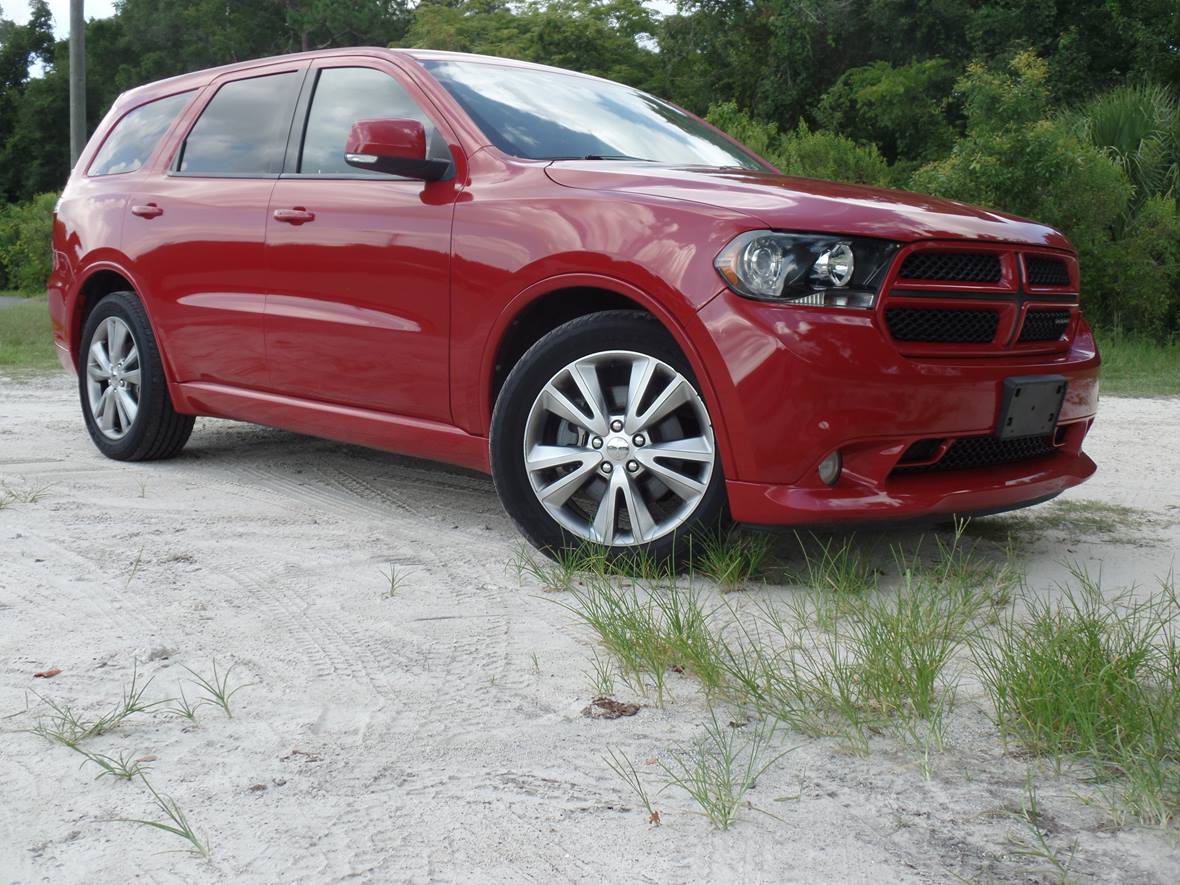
(148, 210)
(298, 215)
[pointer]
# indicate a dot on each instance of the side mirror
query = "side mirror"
(396, 147)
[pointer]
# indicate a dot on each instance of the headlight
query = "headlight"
(818, 269)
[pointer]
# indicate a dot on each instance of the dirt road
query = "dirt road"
(437, 734)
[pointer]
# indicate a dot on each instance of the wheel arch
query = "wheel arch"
(95, 283)
(548, 304)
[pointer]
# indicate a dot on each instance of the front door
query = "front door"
(358, 262)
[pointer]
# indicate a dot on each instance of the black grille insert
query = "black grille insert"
(936, 326)
(956, 267)
(1044, 271)
(1044, 325)
(985, 451)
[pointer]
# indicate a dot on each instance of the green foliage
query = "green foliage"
(803, 152)
(1139, 128)
(1144, 294)
(598, 37)
(1135, 366)
(903, 110)
(1017, 158)
(26, 234)
(1060, 122)
(26, 339)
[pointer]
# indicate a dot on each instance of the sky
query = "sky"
(18, 11)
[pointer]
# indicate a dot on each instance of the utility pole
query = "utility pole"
(77, 80)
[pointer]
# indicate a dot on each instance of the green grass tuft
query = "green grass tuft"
(720, 770)
(731, 559)
(1095, 677)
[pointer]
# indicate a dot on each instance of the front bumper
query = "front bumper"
(803, 383)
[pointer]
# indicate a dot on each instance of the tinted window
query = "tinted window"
(546, 115)
(343, 96)
(135, 136)
(243, 130)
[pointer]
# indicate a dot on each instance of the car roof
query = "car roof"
(197, 79)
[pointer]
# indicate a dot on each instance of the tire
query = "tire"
(649, 504)
(153, 430)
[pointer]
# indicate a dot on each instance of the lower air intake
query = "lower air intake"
(982, 451)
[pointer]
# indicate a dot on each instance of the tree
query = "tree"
(903, 110)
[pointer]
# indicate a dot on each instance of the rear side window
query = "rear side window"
(244, 128)
(135, 136)
(343, 96)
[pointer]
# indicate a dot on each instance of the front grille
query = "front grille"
(936, 326)
(1044, 325)
(1044, 271)
(984, 451)
(957, 267)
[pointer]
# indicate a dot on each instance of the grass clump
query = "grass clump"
(216, 688)
(174, 822)
(562, 569)
(1098, 678)
(730, 558)
(620, 764)
(27, 495)
(837, 567)
(64, 726)
(121, 767)
(720, 770)
(395, 581)
(629, 625)
(650, 632)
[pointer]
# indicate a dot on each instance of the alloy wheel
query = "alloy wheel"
(618, 448)
(112, 378)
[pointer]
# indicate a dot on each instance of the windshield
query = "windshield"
(550, 115)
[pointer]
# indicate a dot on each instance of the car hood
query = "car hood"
(806, 204)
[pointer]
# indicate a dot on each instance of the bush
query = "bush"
(1144, 294)
(1138, 127)
(803, 152)
(26, 243)
(902, 110)
(1016, 159)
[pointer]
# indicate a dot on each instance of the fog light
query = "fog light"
(830, 467)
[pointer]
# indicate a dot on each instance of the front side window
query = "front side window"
(243, 130)
(343, 96)
(542, 114)
(135, 136)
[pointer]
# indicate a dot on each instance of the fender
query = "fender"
(671, 323)
(73, 314)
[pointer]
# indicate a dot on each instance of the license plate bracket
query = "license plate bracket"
(1031, 405)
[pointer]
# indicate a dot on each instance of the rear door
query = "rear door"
(359, 262)
(196, 232)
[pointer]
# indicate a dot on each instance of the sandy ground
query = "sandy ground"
(437, 735)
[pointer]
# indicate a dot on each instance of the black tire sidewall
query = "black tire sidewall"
(153, 390)
(610, 330)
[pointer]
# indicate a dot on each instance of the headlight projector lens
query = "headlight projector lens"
(835, 266)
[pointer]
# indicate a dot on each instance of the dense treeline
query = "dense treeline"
(1062, 111)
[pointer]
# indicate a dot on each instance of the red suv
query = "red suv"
(638, 326)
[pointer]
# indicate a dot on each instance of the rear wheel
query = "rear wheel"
(121, 382)
(600, 436)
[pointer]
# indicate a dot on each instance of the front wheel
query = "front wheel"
(600, 436)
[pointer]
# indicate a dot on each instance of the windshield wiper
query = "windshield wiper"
(616, 157)
(605, 157)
